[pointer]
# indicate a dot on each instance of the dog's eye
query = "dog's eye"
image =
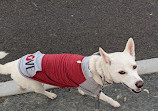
(134, 67)
(122, 72)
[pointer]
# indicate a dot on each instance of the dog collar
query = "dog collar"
(103, 76)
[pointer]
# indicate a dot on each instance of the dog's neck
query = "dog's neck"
(99, 70)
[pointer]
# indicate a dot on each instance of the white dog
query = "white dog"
(88, 74)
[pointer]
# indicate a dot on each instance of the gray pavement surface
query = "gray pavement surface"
(80, 27)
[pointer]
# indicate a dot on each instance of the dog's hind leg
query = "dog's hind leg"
(38, 88)
(21, 88)
(50, 94)
(32, 85)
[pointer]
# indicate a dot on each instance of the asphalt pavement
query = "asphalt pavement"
(79, 27)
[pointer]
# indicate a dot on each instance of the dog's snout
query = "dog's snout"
(139, 84)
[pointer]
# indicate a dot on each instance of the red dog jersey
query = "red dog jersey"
(63, 70)
(54, 71)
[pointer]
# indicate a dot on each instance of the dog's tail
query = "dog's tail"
(3, 54)
(3, 68)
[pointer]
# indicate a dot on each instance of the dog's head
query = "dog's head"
(122, 67)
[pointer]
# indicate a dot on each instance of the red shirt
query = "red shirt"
(61, 70)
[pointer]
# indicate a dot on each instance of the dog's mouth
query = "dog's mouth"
(138, 90)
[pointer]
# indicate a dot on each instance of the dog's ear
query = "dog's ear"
(130, 47)
(105, 56)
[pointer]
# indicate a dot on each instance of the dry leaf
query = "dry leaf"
(117, 97)
(125, 99)
(147, 91)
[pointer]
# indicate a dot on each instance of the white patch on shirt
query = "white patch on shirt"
(79, 61)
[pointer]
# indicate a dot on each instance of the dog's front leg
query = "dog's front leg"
(109, 100)
(81, 92)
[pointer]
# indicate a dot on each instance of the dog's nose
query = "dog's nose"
(139, 84)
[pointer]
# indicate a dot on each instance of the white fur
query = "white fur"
(3, 54)
(104, 68)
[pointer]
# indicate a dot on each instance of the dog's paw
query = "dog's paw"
(52, 96)
(81, 92)
(21, 88)
(115, 104)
